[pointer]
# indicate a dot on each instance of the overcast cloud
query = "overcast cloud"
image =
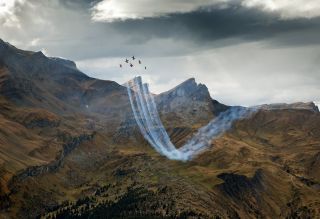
(111, 10)
(247, 52)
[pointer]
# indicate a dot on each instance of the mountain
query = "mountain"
(32, 79)
(70, 148)
(185, 108)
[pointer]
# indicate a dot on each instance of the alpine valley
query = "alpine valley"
(70, 148)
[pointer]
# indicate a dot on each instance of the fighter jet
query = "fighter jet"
(120, 66)
(127, 61)
(139, 61)
(131, 65)
(145, 67)
(133, 58)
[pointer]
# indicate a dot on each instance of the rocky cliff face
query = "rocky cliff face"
(189, 104)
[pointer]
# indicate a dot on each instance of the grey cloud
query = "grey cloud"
(64, 28)
(112, 10)
(236, 23)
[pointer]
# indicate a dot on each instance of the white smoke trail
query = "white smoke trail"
(152, 130)
(216, 127)
(156, 119)
(151, 127)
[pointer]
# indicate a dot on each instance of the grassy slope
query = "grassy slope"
(253, 171)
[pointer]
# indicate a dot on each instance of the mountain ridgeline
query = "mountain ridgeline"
(70, 148)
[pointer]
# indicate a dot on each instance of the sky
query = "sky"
(247, 52)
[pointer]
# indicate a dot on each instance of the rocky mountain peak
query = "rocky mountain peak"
(191, 82)
(5, 47)
(10, 56)
(65, 62)
(28, 64)
(2, 43)
(39, 55)
(188, 89)
(189, 102)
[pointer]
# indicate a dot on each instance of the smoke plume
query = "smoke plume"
(148, 119)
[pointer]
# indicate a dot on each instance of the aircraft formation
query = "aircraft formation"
(131, 62)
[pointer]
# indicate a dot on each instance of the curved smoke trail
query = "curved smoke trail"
(148, 119)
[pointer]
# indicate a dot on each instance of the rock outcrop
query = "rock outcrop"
(188, 104)
(310, 106)
(71, 144)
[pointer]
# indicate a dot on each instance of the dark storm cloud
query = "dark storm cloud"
(66, 29)
(78, 3)
(216, 24)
